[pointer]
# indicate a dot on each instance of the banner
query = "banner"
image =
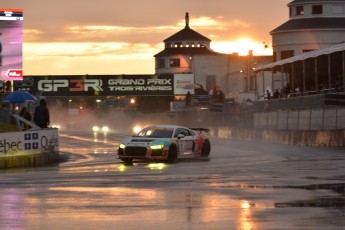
(11, 40)
(39, 141)
(101, 85)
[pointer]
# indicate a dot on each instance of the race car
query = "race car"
(166, 143)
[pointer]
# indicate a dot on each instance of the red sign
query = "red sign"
(15, 73)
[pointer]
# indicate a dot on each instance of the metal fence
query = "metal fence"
(308, 119)
(291, 103)
(299, 113)
(307, 112)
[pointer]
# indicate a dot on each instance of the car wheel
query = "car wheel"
(206, 148)
(127, 160)
(172, 153)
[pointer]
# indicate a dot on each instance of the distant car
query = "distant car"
(165, 142)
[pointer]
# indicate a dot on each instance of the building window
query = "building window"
(306, 51)
(286, 54)
(178, 44)
(317, 9)
(190, 44)
(161, 63)
(211, 80)
(174, 62)
(299, 10)
(274, 56)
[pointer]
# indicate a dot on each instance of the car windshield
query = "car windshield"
(156, 132)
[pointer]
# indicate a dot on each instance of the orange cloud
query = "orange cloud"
(115, 49)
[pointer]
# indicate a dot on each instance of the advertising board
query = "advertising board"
(107, 85)
(29, 142)
(11, 41)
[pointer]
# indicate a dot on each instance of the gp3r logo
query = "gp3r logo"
(73, 85)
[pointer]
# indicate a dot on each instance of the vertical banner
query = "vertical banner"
(11, 40)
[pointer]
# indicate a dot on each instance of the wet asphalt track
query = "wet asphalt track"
(243, 186)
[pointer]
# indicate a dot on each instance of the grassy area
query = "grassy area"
(7, 127)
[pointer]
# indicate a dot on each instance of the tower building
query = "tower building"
(312, 25)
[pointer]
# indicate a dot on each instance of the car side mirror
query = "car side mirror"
(180, 136)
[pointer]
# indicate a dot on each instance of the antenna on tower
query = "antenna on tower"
(187, 20)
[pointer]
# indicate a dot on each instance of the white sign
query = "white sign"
(184, 83)
(29, 142)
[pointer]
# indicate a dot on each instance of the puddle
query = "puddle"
(327, 201)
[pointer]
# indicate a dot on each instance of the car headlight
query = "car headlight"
(122, 146)
(156, 146)
(56, 126)
(105, 129)
(95, 128)
(136, 129)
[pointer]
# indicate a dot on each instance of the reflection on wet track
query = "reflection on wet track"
(242, 186)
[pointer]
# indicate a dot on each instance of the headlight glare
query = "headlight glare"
(156, 146)
(136, 129)
(122, 146)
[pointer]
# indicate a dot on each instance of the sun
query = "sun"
(241, 46)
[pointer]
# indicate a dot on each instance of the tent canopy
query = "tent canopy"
(312, 54)
(18, 97)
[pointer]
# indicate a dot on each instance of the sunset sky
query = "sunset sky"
(121, 37)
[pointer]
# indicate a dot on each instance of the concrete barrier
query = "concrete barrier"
(29, 148)
(321, 138)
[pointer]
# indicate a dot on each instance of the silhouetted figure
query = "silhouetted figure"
(8, 86)
(1, 86)
(200, 90)
(27, 116)
(188, 99)
(221, 96)
(268, 94)
(214, 93)
(41, 116)
(276, 94)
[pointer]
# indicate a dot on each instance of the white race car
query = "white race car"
(165, 142)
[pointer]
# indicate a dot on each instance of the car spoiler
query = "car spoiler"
(200, 129)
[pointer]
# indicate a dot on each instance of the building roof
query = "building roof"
(187, 51)
(312, 54)
(311, 23)
(308, 1)
(187, 34)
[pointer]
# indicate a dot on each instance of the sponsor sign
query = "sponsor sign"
(11, 40)
(14, 74)
(184, 83)
(39, 141)
(105, 85)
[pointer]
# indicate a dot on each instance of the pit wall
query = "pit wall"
(320, 138)
(29, 148)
